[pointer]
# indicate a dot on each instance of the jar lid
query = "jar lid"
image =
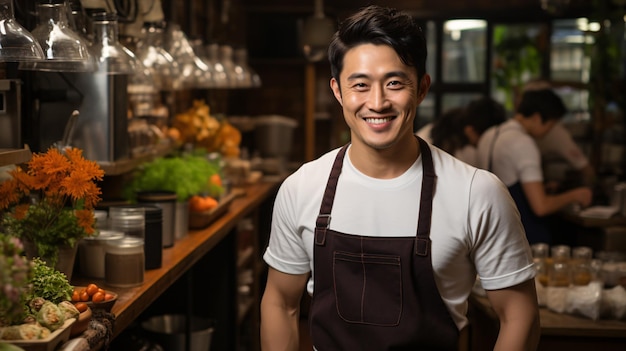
(122, 210)
(126, 242)
(105, 235)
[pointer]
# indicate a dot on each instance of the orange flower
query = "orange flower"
(52, 200)
(8, 193)
(86, 220)
(21, 211)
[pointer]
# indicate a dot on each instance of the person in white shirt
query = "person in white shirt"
(510, 152)
(458, 130)
(388, 233)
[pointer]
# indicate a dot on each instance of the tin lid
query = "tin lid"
(126, 242)
(105, 235)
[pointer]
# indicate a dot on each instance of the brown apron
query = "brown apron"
(378, 293)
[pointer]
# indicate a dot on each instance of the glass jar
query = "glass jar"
(124, 263)
(540, 253)
(128, 219)
(559, 274)
(582, 272)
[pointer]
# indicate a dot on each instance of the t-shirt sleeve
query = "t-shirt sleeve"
(560, 142)
(527, 159)
(501, 252)
(285, 251)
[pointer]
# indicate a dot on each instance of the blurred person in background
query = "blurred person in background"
(510, 151)
(458, 130)
(558, 144)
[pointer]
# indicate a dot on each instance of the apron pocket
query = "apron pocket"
(368, 288)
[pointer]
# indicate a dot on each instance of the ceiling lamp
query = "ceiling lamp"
(63, 48)
(16, 43)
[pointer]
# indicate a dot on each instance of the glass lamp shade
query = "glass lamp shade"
(165, 70)
(58, 41)
(196, 72)
(16, 43)
(111, 56)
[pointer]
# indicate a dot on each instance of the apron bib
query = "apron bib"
(378, 293)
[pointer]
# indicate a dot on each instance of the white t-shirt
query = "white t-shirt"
(559, 142)
(475, 229)
(514, 157)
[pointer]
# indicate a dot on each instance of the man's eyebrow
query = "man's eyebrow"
(387, 75)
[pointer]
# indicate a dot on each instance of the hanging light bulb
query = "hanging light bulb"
(16, 43)
(64, 49)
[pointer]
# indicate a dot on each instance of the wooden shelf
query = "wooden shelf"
(178, 259)
(126, 165)
(14, 156)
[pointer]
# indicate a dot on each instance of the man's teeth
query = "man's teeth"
(377, 120)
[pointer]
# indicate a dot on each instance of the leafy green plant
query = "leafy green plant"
(186, 175)
(48, 283)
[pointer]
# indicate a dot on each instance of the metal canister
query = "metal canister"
(166, 200)
(124, 262)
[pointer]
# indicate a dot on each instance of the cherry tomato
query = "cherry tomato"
(97, 297)
(75, 296)
(84, 296)
(108, 297)
(91, 289)
(81, 306)
(101, 290)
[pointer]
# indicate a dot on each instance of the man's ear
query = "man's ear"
(334, 86)
(424, 86)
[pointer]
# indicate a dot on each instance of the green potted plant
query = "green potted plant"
(49, 205)
(186, 175)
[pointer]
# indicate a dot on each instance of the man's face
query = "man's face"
(379, 95)
(541, 128)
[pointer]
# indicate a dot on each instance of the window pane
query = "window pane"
(431, 44)
(516, 59)
(464, 51)
(453, 100)
(568, 61)
(569, 64)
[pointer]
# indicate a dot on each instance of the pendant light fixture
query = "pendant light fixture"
(16, 43)
(64, 49)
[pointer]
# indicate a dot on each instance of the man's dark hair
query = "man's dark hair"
(543, 101)
(379, 26)
(484, 113)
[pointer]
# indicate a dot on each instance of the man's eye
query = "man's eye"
(394, 83)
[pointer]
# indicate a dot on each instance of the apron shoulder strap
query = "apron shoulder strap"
(422, 241)
(323, 219)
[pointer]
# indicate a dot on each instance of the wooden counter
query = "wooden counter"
(558, 331)
(181, 257)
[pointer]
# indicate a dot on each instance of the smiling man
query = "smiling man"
(387, 233)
